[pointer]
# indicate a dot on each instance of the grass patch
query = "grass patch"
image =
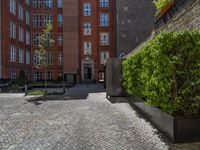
(35, 93)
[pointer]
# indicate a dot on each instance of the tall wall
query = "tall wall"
(135, 22)
(71, 36)
(187, 18)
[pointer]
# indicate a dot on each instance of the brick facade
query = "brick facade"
(75, 61)
(21, 69)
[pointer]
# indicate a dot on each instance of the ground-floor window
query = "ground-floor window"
(13, 74)
(37, 76)
(49, 75)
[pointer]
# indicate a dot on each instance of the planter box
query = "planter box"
(179, 129)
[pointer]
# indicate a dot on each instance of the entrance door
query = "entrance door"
(87, 72)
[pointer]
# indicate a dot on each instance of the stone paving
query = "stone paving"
(83, 120)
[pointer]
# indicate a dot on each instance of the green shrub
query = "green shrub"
(35, 93)
(166, 73)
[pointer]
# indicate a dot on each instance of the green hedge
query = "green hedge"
(166, 73)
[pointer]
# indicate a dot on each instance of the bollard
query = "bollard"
(26, 90)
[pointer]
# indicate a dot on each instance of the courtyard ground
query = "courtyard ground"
(81, 120)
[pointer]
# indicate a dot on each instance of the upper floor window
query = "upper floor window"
(48, 18)
(87, 9)
(37, 3)
(87, 29)
(28, 57)
(28, 21)
(60, 57)
(36, 39)
(28, 39)
(104, 57)
(104, 19)
(21, 34)
(21, 55)
(12, 53)
(87, 48)
(60, 20)
(104, 3)
(12, 30)
(60, 3)
(104, 38)
(28, 2)
(37, 20)
(48, 3)
(20, 12)
(12, 5)
(60, 39)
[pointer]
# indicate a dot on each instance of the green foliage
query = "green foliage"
(166, 73)
(35, 93)
(160, 4)
(19, 81)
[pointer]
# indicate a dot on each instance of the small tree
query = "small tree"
(41, 53)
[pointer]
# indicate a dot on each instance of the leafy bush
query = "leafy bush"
(166, 73)
(160, 4)
(35, 93)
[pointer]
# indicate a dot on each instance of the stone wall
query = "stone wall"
(187, 18)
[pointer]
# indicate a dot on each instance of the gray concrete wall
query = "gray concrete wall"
(134, 23)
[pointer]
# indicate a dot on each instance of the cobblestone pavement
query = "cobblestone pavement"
(90, 123)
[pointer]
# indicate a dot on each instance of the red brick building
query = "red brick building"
(15, 40)
(83, 31)
(89, 38)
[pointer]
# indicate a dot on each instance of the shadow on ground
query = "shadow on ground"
(79, 92)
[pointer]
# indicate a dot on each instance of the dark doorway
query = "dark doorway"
(87, 72)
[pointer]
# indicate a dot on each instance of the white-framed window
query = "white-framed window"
(36, 39)
(36, 59)
(37, 20)
(60, 20)
(28, 38)
(49, 75)
(28, 21)
(48, 41)
(13, 74)
(48, 3)
(87, 48)
(87, 9)
(48, 18)
(104, 38)
(104, 3)
(21, 55)
(12, 53)
(28, 57)
(20, 12)
(28, 2)
(21, 34)
(104, 19)
(49, 57)
(104, 56)
(12, 30)
(60, 57)
(87, 28)
(60, 39)
(12, 5)
(37, 76)
(60, 3)
(37, 3)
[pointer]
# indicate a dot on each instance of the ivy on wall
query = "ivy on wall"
(166, 73)
(160, 5)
